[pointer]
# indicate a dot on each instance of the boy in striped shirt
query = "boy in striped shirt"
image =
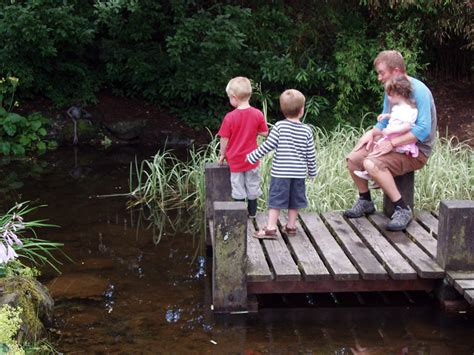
(294, 159)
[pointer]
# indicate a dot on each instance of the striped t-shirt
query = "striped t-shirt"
(295, 155)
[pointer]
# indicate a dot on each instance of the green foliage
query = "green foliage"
(47, 44)
(180, 54)
(19, 134)
(131, 45)
(10, 323)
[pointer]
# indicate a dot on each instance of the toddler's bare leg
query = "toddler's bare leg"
(273, 215)
(292, 216)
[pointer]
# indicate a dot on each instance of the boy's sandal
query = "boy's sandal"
(289, 231)
(266, 234)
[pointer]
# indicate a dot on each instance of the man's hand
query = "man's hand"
(221, 159)
(382, 147)
(367, 139)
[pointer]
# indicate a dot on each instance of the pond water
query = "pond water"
(137, 289)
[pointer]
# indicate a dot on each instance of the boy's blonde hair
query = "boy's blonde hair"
(393, 59)
(240, 87)
(291, 103)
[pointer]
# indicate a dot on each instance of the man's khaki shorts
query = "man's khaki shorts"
(396, 163)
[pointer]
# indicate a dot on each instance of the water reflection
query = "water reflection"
(141, 282)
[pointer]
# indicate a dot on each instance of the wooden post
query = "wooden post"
(217, 184)
(406, 186)
(229, 263)
(455, 249)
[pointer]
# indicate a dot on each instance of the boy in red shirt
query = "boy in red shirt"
(238, 132)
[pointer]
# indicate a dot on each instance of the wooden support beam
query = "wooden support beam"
(455, 249)
(340, 286)
(406, 186)
(229, 262)
(217, 184)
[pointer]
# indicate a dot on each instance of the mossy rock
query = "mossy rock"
(33, 298)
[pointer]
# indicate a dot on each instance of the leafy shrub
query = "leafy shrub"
(19, 134)
(46, 43)
(131, 45)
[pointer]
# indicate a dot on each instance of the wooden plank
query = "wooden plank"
(429, 221)
(257, 266)
(334, 257)
(459, 275)
(398, 268)
(341, 286)
(469, 296)
(463, 285)
(307, 258)
(425, 266)
(424, 240)
(210, 240)
(282, 262)
(356, 250)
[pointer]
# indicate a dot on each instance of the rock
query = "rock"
(78, 285)
(126, 130)
(33, 298)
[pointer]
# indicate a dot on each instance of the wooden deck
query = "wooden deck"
(463, 282)
(347, 255)
(333, 254)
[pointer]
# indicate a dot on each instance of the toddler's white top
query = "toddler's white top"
(402, 113)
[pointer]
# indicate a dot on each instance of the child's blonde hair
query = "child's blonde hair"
(392, 59)
(400, 85)
(240, 87)
(291, 103)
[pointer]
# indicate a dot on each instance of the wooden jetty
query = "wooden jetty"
(332, 254)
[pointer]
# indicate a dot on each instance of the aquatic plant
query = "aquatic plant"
(170, 182)
(15, 244)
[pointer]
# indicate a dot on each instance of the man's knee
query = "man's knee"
(354, 159)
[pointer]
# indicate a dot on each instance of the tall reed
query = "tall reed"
(167, 182)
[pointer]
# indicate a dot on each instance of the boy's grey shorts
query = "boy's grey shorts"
(246, 184)
(287, 193)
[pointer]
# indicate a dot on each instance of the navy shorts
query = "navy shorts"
(287, 193)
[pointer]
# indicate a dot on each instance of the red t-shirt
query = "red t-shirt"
(241, 128)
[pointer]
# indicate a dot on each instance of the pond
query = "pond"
(138, 288)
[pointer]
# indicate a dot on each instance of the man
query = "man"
(380, 159)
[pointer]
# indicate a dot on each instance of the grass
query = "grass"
(167, 182)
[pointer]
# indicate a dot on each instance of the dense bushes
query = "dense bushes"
(47, 44)
(181, 54)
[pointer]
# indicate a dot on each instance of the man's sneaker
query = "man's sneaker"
(360, 208)
(400, 219)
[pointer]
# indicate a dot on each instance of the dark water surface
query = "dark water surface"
(133, 289)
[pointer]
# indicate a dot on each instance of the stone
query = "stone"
(78, 286)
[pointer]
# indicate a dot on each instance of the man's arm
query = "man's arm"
(223, 144)
(368, 139)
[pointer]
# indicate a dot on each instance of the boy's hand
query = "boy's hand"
(383, 116)
(221, 160)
